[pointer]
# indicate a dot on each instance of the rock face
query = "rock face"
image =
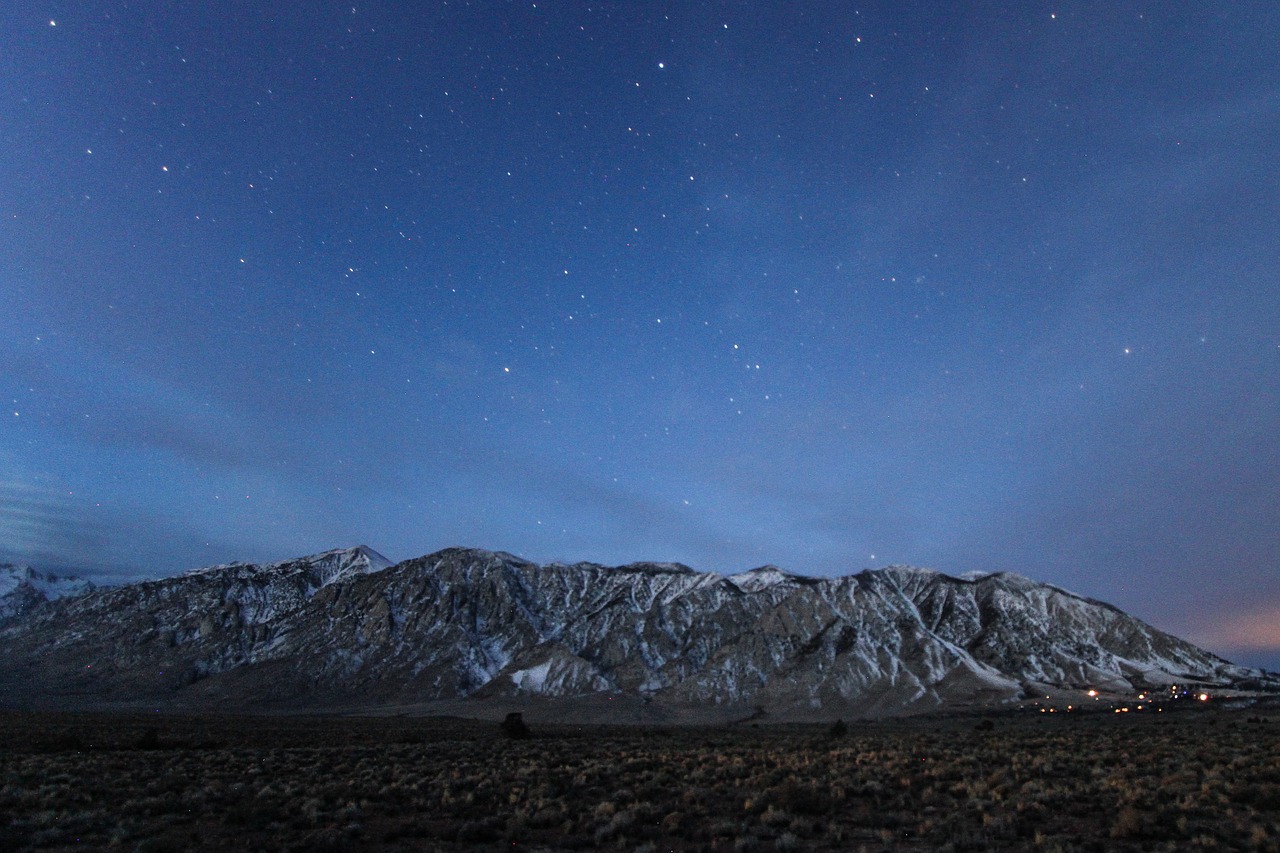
(345, 628)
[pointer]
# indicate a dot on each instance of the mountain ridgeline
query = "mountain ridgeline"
(466, 629)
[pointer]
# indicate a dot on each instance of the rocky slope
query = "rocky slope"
(346, 629)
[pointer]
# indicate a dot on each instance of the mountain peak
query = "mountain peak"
(377, 562)
(12, 575)
(333, 564)
(761, 577)
(22, 587)
(904, 570)
(337, 564)
(49, 584)
(659, 568)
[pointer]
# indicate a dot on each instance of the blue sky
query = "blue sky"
(972, 286)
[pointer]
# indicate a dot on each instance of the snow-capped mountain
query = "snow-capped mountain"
(22, 587)
(346, 628)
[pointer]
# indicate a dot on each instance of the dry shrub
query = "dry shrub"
(804, 799)
(1130, 823)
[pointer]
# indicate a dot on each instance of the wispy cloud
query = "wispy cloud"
(44, 527)
(53, 530)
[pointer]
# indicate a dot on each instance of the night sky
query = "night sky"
(972, 286)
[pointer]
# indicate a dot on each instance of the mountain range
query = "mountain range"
(474, 631)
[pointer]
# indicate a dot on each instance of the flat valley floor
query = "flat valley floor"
(1203, 779)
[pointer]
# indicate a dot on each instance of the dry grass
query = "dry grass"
(1200, 781)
